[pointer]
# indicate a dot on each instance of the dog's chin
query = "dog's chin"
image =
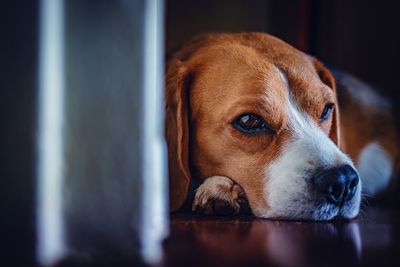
(324, 214)
(315, 212)
(329, 212)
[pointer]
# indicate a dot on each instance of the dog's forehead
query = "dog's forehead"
(228, 70)
(226, 81)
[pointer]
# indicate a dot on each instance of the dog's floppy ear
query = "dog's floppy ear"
(327, 78)
(177, 131)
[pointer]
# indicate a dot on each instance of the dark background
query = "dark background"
(360, 37)
(18, 88)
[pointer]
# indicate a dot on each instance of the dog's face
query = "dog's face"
(264, 114)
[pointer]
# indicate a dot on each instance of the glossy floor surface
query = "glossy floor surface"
(371, 240)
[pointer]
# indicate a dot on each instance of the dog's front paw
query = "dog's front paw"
(220, 195)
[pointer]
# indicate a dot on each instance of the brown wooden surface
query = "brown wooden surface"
(371, 240)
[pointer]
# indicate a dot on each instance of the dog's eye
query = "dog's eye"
(251, 124)
(326, 112)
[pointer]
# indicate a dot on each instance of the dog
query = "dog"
(252, 121)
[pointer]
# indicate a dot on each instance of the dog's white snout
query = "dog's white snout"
(290, 191)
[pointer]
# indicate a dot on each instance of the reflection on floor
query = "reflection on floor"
(371, 240)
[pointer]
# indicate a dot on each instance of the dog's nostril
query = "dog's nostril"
(337, 185)
(335, 192)
(352, 188)
(354, 184)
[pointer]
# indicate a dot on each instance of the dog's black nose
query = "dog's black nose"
(337, 185)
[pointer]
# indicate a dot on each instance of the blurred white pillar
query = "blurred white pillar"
(104, 192)
(50, 225)
(155, 197)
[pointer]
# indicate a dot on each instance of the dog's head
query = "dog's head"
(251, 107)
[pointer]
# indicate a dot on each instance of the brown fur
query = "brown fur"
(368, 118)
(217, 77)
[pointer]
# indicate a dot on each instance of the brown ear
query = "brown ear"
(177, 131)
(327, 78)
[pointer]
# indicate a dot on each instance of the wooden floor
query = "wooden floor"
(371, 240)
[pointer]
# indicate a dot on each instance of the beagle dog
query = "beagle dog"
(252, 121)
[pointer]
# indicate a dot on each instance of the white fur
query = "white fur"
(216, 187)
(289, 192)
(375, 168)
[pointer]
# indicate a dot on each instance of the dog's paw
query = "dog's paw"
(219, 195)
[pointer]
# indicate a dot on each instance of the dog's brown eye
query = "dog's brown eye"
(326, 112)
(251, 124)
(249, 121)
